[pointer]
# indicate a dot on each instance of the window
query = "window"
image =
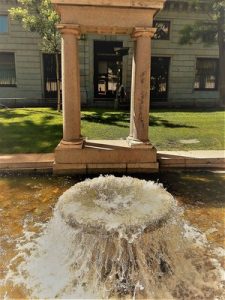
(50, 80)
(3, 24)
(107, 69)
(162, 30)
(159, 78)
(7, 69)
(206, 74)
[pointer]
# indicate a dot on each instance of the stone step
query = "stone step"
(26, 161)
(166, 159)
(191, 159)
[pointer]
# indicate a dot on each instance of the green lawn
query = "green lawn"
(31, 130)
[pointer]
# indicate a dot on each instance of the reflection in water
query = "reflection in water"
(147, 265)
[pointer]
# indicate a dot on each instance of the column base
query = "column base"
(78, 144)
(104, 156)
(137, 144)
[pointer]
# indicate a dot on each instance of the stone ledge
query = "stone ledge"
(167, 160)
(62, 169)
(104, 152)
(10, 171)
(118, 3)
(143, 168)
(106, 168)
(84, 169)
(192, 159)
(26, 161)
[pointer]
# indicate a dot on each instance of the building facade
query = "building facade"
(180, 74)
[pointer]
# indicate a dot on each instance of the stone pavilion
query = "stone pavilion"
(75, 154)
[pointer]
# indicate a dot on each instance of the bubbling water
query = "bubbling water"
(115, 206)
(115, 238)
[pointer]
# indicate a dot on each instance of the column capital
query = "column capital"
(143, 32)
(69, 29)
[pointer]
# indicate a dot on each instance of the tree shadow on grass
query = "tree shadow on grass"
(49, 111)
(107, 118)
(9, 114)
(114, 118)
(47, 118)
(29, 137)
(24, 112)
(156, 121)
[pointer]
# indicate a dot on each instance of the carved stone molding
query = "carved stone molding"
(157, 4)
(70, 29)
(143, 32)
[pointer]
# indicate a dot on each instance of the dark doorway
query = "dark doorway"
(159, 78)
(50, 82)
(107, 69)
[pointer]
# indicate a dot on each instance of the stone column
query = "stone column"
(140, 90)
(71, 85)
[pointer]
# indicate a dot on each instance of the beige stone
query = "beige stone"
(106, 17)
(108, 3)
(69, 168)
(106, 168)
(141, 84)
(142, 168)
(71, 85)
(204, 160)
(205, 165)
(44, 162)
(208, 159)
(103, 153)
(23, 161)
(171, 161)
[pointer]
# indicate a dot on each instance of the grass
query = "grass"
(31, 130)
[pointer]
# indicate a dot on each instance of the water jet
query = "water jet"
(113, 237)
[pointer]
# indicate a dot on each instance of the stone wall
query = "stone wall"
(182, 61)
(183, 58)
(182, 66)
(27, 58)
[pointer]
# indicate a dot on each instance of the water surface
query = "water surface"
(29, 200)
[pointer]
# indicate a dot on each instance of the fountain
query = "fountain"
(115, 237)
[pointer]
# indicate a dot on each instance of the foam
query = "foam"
(146, 252)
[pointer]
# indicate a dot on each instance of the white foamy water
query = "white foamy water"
(115, 205)
(112, 238)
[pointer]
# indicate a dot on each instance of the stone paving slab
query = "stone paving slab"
(26, 161)
(167, 159)
(193, 154)
(192, 159)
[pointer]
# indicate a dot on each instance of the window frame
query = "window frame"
(5, 15)
(169, 29)
(216, 59)
(13, 84)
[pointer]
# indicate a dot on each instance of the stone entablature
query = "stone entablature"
(107, 17)
(155, 4)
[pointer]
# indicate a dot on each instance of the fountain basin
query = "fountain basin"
(110, 205)
(79, 258)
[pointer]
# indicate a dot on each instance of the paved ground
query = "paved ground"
(192, 159)
(167, 160)
(29, 162)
